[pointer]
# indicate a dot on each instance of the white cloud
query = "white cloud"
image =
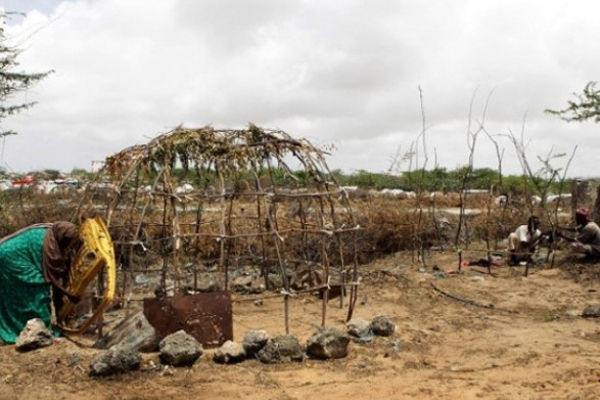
(343, 72)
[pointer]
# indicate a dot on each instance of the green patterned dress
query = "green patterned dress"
(24, 294)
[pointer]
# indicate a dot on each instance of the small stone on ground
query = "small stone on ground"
(180, 349)
(34, 336)
(281, 349)
(360, 330)
(382, 326)
(116, 360)
(254, 341)
(133, 331)
(592, 311)
(230, 353)
(242, 284)
(327, 343)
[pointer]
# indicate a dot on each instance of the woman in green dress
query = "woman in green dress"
(32, 261)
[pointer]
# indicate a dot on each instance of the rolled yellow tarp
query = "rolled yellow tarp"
(95, 255)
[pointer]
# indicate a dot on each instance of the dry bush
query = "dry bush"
(22, 207)
(387, 226)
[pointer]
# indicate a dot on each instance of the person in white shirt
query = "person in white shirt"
(522, 242)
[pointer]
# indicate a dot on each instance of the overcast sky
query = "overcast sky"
(345, 73)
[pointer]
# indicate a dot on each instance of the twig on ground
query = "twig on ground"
(470, 302)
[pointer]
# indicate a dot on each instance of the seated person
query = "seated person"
(522, 242)
(587, 240)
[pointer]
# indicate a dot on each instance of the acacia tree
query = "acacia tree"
(585, 107)
(12, 80)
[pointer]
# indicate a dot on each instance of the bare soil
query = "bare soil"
(531, 345)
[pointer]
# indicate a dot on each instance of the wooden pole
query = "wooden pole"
(286, 303)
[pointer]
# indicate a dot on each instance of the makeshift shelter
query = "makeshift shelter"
(197, 200)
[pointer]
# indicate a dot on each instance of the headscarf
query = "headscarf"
(60, 239)
(583, 213)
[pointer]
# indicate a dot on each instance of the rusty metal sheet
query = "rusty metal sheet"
(208, 317)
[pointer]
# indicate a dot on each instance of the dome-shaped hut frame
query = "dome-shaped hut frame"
(247, 207)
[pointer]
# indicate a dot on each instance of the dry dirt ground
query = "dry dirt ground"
(531, 345)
